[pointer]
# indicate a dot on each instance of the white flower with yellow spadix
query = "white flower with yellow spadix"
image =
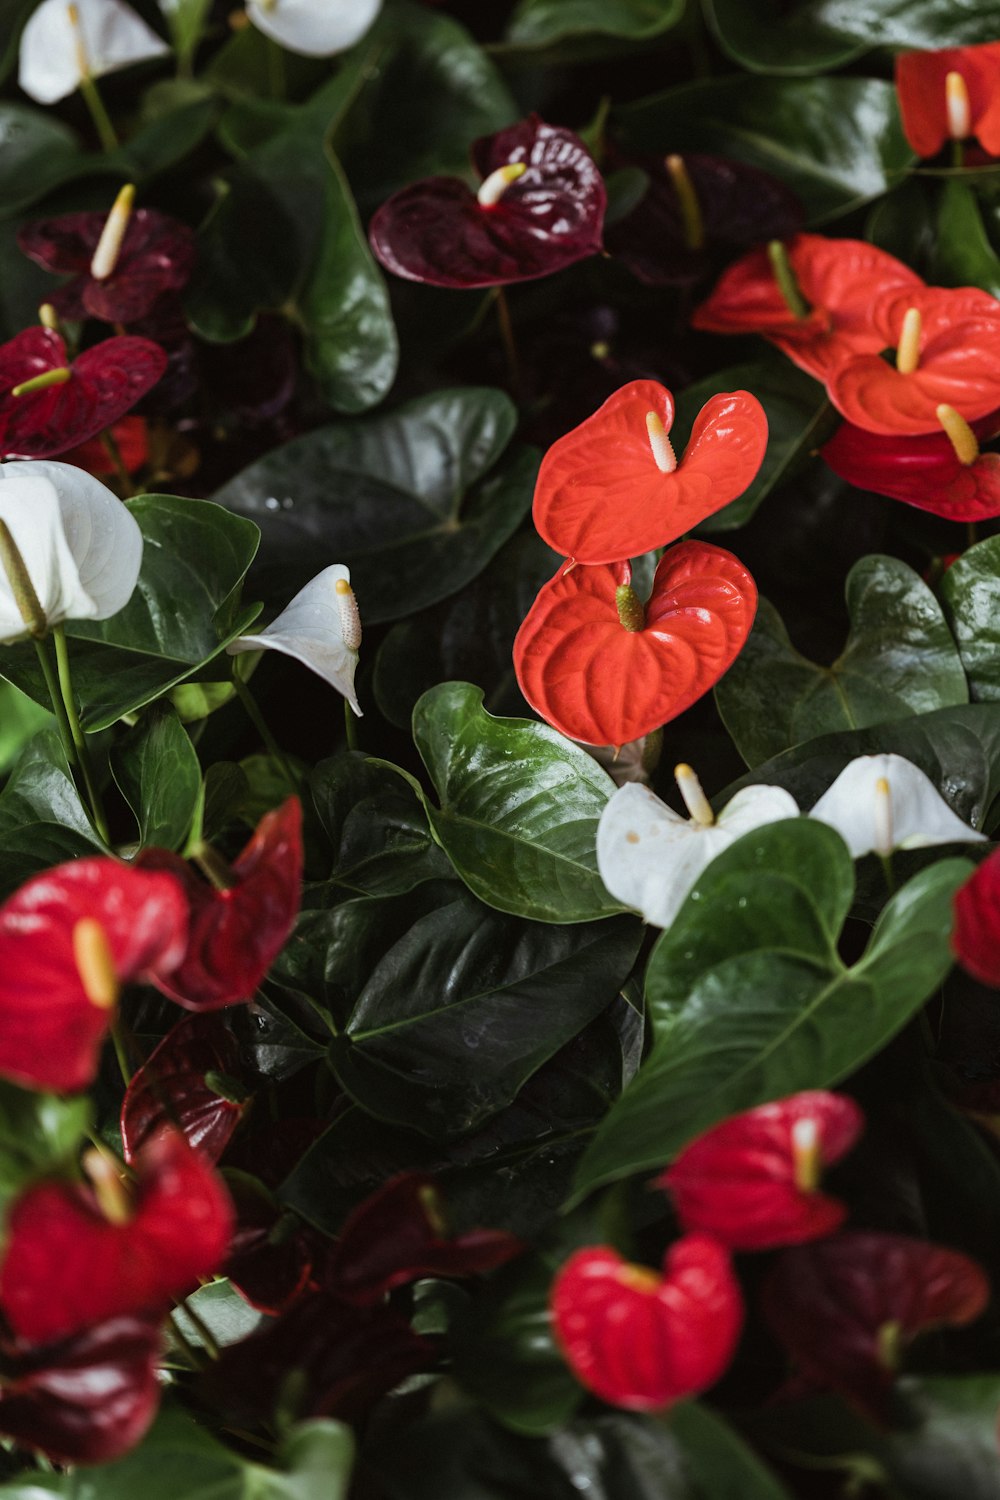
(315, 28)
(67, 42)
(649, 857)
(883, 802)
(320, 628)
(69, 548)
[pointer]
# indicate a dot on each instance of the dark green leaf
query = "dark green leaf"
(545, 23)
(718, 1460)
(39, 1135)
(970, 590)
(42, 820)
(20, 720)
(163, 142)
(519, 807)
(900, 659)
(13, 15)
(37, 153)
(837, 142)
(156, 767)
(23, 285)
(413, 501)
(964, 255)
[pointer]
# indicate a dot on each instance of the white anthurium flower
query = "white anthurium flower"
(883, 802)
(649, 857)
(80, 549)
(65, 43)
(315, 28)
(320, 628)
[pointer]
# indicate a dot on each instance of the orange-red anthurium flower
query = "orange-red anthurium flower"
(812, 298)
(943, 472)
(614, 488)
(947, 345)
(603, 668)
(950, 95)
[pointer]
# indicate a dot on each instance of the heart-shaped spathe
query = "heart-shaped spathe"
(597, 682)
(601, 494)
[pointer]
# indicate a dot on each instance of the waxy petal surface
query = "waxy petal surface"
(437, 232)
(309, 629)
(920, 85)
(643, 1342)
(597, 682)
(923, 471)
(975, 940)
(600, 496)
(172, 1088)
(113, 36)
(314, 28)
(919, 815)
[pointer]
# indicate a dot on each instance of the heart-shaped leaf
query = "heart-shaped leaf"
(553, 23)
(42, 820)
(39, 152)
(157, 769)
(970, 590)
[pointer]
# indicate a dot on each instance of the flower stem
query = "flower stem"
(508, 341)
(58, 707)
(260, 724)
(79, 741)
(102, 120)
(111, 448)
(350, 727)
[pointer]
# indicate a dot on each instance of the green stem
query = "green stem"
(508, 341)
(958, 153)
(58, 707)
(890, 879)
(82, 753)
(260, 724)
(119, 1038)
(111, 448)
(102, 120)
(350, 726)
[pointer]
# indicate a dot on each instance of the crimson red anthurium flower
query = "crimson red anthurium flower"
(642, 1340)
(121, 261)
(950, 95)
(614, 488)
(753, 1181)
(77, 1254)
(975, 939)
(812, 298)
(68, 939)
(603, 668)
(947, 344)
(179, 1084)
(846, 1308)
(48, 404)
(237, 933)
(539, 208)
(943, 472)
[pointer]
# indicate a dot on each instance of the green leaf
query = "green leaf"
(519, 807)
(37, 153)
(40, 1135)
(900, 659)
(964, 255)
(186, 19)
(163, 142)
(23, 285)
(546, 23)
(184, 611)
(42, 820)
(220, 1309)
(414, 501)
(13, 15)
(377, 826)
(20, 720)
(157, 770)
(750, 1000)
(970, 591)
(836, 142)
(722, 1465)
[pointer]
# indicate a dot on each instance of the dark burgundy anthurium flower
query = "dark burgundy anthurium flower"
(539, 208)
(49, 404)
(950, 95)
(77, 1254)
(695, 206)
(846, 1308)
(86, 1399)
(69, 939)
(943, 472)
(643, 1340)
(975, 939)
(752, 1182)
(237, 933)
(190, 1081)
(145, 253)
(272, 1252)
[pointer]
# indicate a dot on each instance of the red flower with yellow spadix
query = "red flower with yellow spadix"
(811, 297)
(604, 668)
(614, 487)
(947, 352)
(943, 472)
(950, 95)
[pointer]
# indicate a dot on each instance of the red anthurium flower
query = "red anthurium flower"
(642, 1340)
(179, 1085)
(272, 1252)
(68, 939)
(696, 204)
(48, 405)
(120, 262)
(77, 1254)
(753, 1181)
(812, 298)
(947, 345)
(86, 1399)
(975, 940)
(603, 668)
(540, 207)
(845, 1308)
(237, 933)
(614, 488)
(132, 438)
(943, 472)
(949, 96)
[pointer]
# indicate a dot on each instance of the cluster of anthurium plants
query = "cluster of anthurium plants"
(500, 749)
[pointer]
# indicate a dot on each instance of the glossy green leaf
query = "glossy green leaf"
(165, 141)
(37, 153)
(970, 590)
(414, 501)
(40, 1134)
(20, 720)
(836, 142)
(519, 807)
(750, 1000)
(13, 15)
(221, 1310)
(157, 770)
(42, 819)
(718, 1460)
(545, 23)
(964, 254)
(23, 285)
(900, 659)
